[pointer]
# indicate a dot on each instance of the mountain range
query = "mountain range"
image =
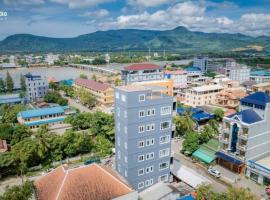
(179, 39)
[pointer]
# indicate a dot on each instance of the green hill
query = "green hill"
(179, 39)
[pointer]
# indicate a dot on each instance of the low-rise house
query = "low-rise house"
(10, 99)
(197, 114)
(260, 76)
(89, 182)
(50, 116)
(179, 78)
(246, 134)
(262, 87)
(101, 91)
(203, 95)
(193, 73)
(3, 146)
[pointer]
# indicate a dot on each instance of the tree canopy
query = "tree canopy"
(55, 97)
(9, 83)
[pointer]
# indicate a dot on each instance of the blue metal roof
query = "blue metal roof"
(248, 116)
(10, 98)
(192, 69)
(228, 158)
(41, 111)
(47, 121)
(258, 98)
(187, 197)
(198, 114)
(260, 73)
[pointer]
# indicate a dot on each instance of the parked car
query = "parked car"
(214, 172)
(92, 160)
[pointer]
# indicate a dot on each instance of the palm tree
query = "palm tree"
(42, 136)
(184, 124)
(214, 125)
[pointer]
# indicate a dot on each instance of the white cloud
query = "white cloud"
(81, 3)
(23, 2)
(96, 14)
(147, 3)
(193, 16)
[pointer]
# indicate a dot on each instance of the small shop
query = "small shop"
(230, 163)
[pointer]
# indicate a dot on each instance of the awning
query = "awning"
(228, 158)
(190, 176)
(204, 156)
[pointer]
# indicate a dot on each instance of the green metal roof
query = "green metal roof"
(206, 152)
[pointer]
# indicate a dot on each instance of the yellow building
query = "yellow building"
(203, 95)
(101, 91)
(165, 85)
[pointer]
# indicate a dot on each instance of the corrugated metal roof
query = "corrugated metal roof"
(47, 121)
(259, 98)
(41, 111)
(248, 116)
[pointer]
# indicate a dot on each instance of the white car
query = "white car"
(214, 172)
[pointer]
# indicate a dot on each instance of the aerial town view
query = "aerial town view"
(134, 100)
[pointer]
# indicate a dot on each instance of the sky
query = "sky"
(70, 18)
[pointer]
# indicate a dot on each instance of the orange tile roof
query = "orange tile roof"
(91, 182)
(3, 146)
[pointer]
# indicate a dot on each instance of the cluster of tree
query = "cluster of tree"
(42, 147)
(7, 85)
(55, 97)
(99, 61)
(127, 59)
(19, 192)
(254, 61)
(207, 193)
(9, 113)
(185, 127)
(210, 74)
(86, 98)
(98, 123)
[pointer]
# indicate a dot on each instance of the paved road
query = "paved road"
(216, 183)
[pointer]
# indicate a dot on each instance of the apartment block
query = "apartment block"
(143, 121)
(141, 72)
(237, 72)
(202, 95)
(36, 87)
(246, 135)
(201, 62)
(101, 91)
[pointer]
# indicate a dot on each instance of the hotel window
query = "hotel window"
(123, 98)
(125, 114)
(119, 167)
(163, 177)
(126, 173)
(140, 158)
(140, 172)
(140, 144)
(149, 156)
(164, 139)
(164, 165)
(141, 129)
(125, 129)
(140, 185)
(164, 152)
(142, 97)
(149, 169)
(118, 126)
(150, 127)
(165, 110)
(149, 182)
(150, 142)
(165, 125)
(119, 154)
(117, 95)
(118, 111)
(141, 113)
(125, 159)
(125, 144)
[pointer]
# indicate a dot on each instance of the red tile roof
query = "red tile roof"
(91, 182)
(91, 84)
(141, 66)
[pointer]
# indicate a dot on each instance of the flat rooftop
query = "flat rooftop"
(205, 88)
(265, 162)
(132, 88)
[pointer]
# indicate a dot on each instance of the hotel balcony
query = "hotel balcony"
(242, 147)
(243, 136)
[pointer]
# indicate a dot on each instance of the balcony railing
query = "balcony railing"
(242, 147)
(224, 140)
